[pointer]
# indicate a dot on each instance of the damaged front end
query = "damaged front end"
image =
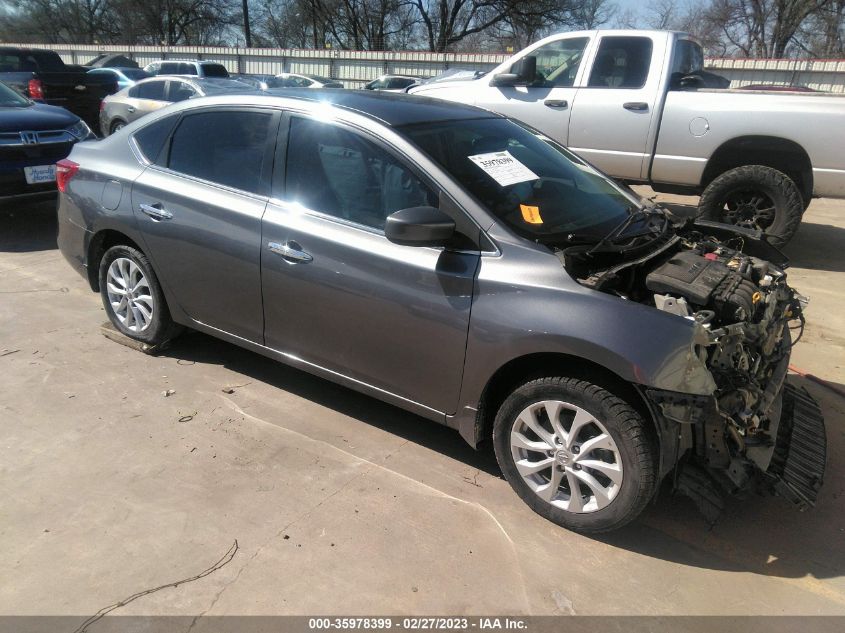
(755, 431)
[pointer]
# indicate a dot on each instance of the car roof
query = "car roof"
(393, 109)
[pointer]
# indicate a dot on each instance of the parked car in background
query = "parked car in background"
(148, 95)
(33, 138)
(257, 81)
(112, 60)
(638, 105)
(42, 76)
(392, 83)
(124, 77)
(194, 68)
(462, 266)
(295, 80)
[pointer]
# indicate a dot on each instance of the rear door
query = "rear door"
(338, 294)
(615, 109)
(199, 208)
(146, 97)
(547, 102)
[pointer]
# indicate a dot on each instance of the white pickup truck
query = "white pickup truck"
(637, 105)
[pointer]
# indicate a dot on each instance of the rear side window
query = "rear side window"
(622, 62)
(340, 173)
(397, 83)
(215, 70)
(151, 90)
(179, 91)
(227, 148)
(151, 138)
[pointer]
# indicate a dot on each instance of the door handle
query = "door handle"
(556, 103)
(130, 109)
(155, 211)
(290, 251)
(635, 106)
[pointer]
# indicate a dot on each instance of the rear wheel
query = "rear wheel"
(575, 453)
(133, 298)
(755, 197)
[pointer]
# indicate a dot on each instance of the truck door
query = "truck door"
(547, 102)
(614, 111)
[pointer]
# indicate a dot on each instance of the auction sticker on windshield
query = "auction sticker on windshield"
(503, 168)
(41, 173)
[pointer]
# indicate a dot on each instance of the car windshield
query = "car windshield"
(535, 186)
(11, 99)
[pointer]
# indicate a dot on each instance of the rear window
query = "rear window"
(215, 70)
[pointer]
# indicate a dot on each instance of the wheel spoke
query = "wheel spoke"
(599, 441)
(611, 471)
(581, 419)
(115, 290)
(145, 312)
(599, 491)
(520, 441)
(549, 491)
(527, 467)
(576, 502)
(529, 419)
(553, 408)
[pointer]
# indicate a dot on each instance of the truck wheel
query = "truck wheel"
(575, 453)
(133, 298)
(755, 197)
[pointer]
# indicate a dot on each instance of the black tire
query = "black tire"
(160, 327)
(626, 427)
(116, 125)
(756, 197)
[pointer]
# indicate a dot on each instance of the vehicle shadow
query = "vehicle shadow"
(27, 227)
(200, 348)
(759, 534)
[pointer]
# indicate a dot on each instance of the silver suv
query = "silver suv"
(459, 265)
(187, 67)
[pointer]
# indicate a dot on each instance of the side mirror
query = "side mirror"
(525, 75)
(419, 226)
(682, 81)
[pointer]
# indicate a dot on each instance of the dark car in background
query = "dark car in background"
(460, 265)
(33, 138)
(41, 75)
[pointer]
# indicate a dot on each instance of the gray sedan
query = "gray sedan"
(149, 95)
(459, 265)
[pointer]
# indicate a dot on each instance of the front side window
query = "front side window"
(223, 147)
(398, 83)
(533, 185)
(558, 62)
(169, 68)
(622, 62)
(187, 69)
(151, 90)
(340, 173)
(687, 58)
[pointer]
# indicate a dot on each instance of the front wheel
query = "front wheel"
(117, 125)
(755, 197)
(575, 453)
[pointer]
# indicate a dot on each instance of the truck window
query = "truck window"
(558, 62)
(622, 62)
(687, 58)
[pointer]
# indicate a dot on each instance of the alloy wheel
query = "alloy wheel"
(749, 208)
(130, 295)
(566, 456)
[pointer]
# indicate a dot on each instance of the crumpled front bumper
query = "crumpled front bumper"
(796, 471)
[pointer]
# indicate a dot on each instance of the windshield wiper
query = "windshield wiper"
(624, 224)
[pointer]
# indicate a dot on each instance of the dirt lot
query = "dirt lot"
(341, 504)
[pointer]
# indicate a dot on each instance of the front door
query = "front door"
(546, 103)
(338, 294)
(614, 112)
(200, 211)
